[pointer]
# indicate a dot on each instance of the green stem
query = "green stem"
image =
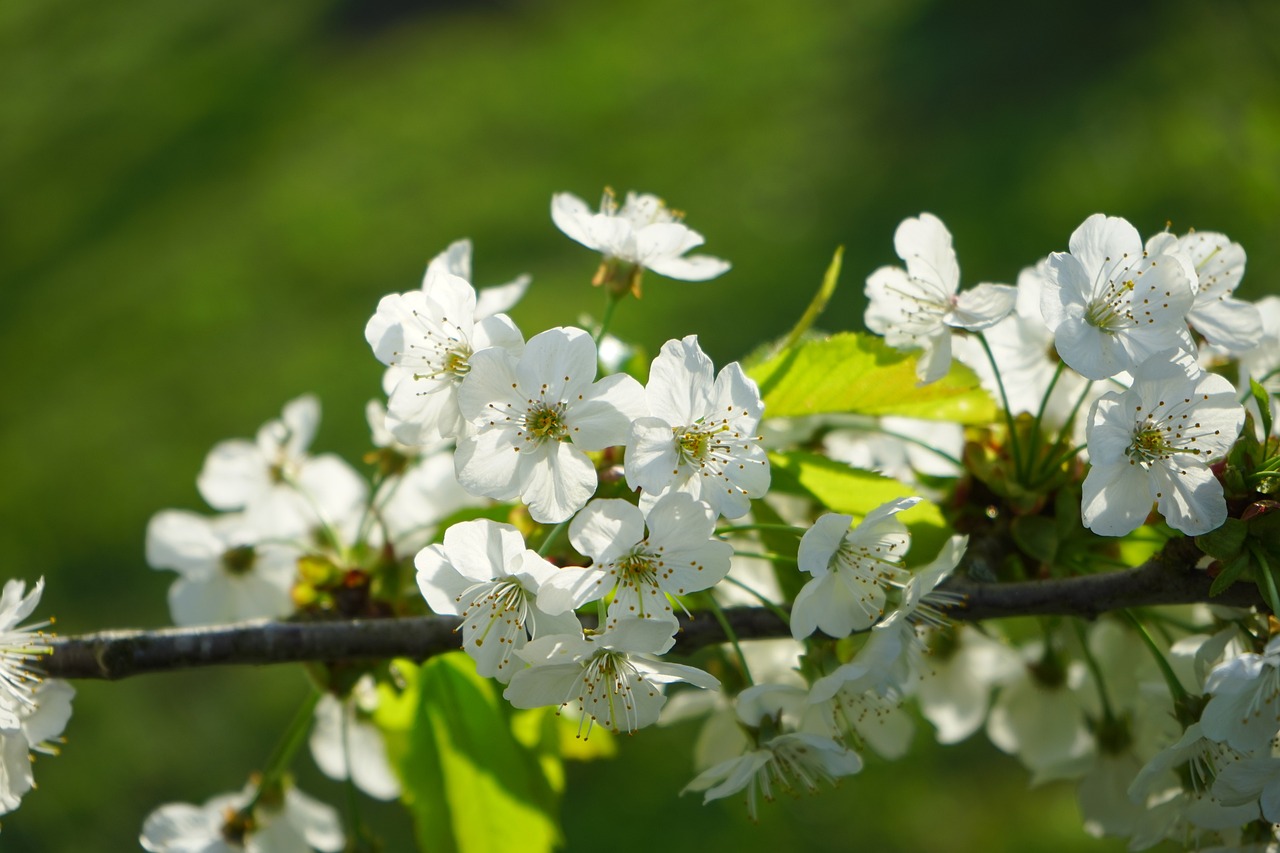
(1170, 678)
(765, 555)
(774, 608)
(733, 637)
(741, 528)
(283, 753)
(1272, 596)
(1004, 402)
(1039, 419)
(1066, 430)
(919, 443)
(1048, 470)
(354, 830)
(1108, 713)
(545, 547)
(610, 306)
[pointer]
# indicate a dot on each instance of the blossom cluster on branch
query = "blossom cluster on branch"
(834, 522)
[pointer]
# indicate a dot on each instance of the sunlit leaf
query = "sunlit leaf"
(851, 491)
(859, 373)
(470, 783)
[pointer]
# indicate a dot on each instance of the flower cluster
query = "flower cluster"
(33, 710)
(567, 515)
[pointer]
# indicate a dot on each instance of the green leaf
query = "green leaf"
(819, 302)
(1225, 542)
(790, 580)
(1263, 400)
(850, 491)
(469, 782)
(1230, 573)
(1037, 536)
(860, 374)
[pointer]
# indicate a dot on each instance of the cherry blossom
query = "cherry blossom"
(614, 677)
(283, 490)
(483, 573)
(917, 307)
(642, 233)
(532, 420)
(296, 824)
(1111, 304)
(1154, 443)
(677, 556)
(852, 570)
(226, 572)
(701, 438)
(427, 337)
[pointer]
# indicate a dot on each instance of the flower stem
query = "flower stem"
(1064, 432)
(285, 749)
(1170, 678)
(765, 555)
(1092, 662)
(774, 608)
(1039, 419)
(545, 547)
(610, 306)
(739, 528)
(1014, 448)
(733, 638)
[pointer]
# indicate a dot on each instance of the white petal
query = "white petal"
(1116, 499)
(602, 415)
(606, 528)
(925, 245)
(572, 216)
(680, 382)
(559, 484)
(690, 268)
(983, 306)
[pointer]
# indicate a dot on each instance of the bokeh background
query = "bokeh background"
(202, 203)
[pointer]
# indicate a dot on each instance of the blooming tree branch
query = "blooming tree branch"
(1168, 578)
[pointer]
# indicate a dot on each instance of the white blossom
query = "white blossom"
(1154, 443)
(1110, 304)
(427, 338)
(613, 677)
(642, 571)
(1040, 717)
(299, 823)
(1225, 321)
(491, 300)
(483, 573)
(1244, 711)
(20, 646)
(37, 729)
(532, 420)
(920, 305)
(226, 572)
(281, 488)
(346, 744)
(787, 760)
(852, 570)
(701, 438)
(641, 234)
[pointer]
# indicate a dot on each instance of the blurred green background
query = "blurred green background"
(202, 203)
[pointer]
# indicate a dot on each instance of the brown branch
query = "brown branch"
(1168, 578)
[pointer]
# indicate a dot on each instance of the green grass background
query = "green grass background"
(202, 203)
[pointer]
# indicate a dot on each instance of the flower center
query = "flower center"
(637, 568)
(545, 421)
(457, 361)
(1149, 444)
(1110, 311)
(238, 560)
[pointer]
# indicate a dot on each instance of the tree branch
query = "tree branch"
(1167, 578)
